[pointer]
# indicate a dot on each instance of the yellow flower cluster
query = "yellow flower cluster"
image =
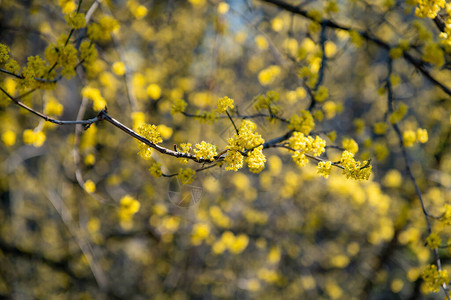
(228, 241)
(398, 114)
(434, 278)
(380, 128)
(199, 233)
(301, 143)
(434, 54)
(186, 176)
(36, 68)
(433, 240)
(355, 169)
(350, 145)
(63, 55)
(67, 6)
(155, 170)
(185, 148)
(267, 102)
(324, 168)
(53, 107)
(268, 75)
(321, 94)
(303, 122)
(429, 8)
(446, 218)
(89, 186)
(410, 137)
(88, 54)
(179, 105)
(238, 143)
(4, 53)
(9, 138)
(93, 94)
(119, 68)
(35, 138)
(151, 133)
(223, 104)
(256, 160)
(205, 150)
(75, 20)
(129, 207)
(446, 35)
(102, 30)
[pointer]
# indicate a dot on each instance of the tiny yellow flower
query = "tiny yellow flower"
(422, 135)
(89, 186)
(154, 91)
(9, 138)
(119, 68)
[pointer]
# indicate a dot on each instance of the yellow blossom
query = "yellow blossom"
(324, 168)
(119, 68)
(154, 91)
(224, 104)
(89, 186)
(205, 151)
(422, 135)
(409, 138)
(155, 170)
(433, 240)
(9, 138)
(350, 145)
(186, 176)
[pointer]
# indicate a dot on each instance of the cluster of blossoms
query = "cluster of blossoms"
(184, 148)
(433, 240)
(434, 278)
(355, 169)
(245, 139)
(430, 9)
(324, 168)
(151, 133)
(186, 176)
(446, 218)
(267, 102)
(350, 145)
(35, 138)
(302, 144)
(224, 104)
(155, 170)
(205, 150)
(179, 105)
(36, 68)
(62, 54)
(98, 102)
(102, 30)
(303, 122)
(446, 35)
(410, 137)
(129, 207)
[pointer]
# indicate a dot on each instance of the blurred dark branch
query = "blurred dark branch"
(60, 265)
(322, 43)
(417, 63)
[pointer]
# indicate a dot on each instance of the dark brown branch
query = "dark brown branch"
(47, 118)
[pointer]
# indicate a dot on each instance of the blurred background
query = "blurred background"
(66, 231)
